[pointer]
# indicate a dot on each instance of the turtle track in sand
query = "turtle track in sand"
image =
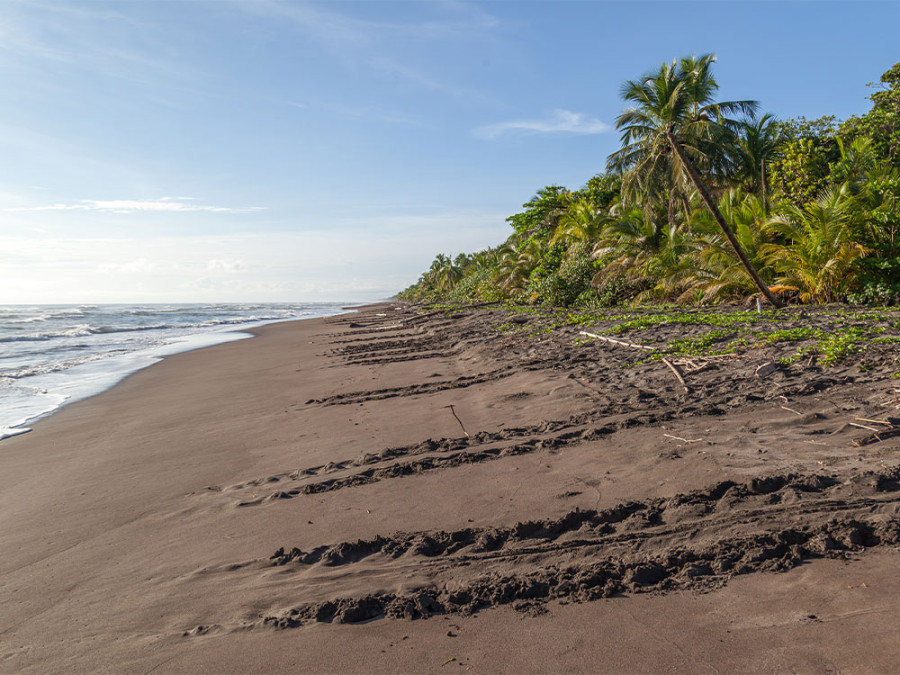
(696, 540)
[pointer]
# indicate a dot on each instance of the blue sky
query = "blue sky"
(290, 151)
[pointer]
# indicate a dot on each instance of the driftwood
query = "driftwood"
(461, 426)
(622, 343)
(677, 372)
(863, 426)
(865, 419)
(684, 440)
(877, 437)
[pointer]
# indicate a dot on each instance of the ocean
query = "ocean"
(51, 355)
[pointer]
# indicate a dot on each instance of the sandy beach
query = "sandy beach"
(402, 490)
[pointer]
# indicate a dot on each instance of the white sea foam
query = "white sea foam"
(6, 432)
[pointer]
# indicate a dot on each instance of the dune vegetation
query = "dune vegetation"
(705, 202)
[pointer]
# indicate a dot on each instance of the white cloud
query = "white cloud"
(165, 204)
(562, 122)
(347, 262)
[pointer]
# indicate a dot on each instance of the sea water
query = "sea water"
(55, 354)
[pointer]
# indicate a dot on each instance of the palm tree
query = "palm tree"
(819, 251)
(627, 240)
(580, 222)
(484, 261)
(758, 145)
(676, 126)
(857, 159)
(717, 271)
(443, 274)
(516, 264)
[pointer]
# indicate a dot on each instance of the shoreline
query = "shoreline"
(139, 360)
(143, 525)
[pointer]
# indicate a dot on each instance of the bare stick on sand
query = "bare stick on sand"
(622, 343)
(676, 371)
(461, 426)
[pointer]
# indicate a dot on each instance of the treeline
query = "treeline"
(706, 202)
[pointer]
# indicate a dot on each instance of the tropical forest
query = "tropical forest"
(705, 202)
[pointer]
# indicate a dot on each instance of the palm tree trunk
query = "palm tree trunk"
(717, 215)
(762, 180)
(686, 206)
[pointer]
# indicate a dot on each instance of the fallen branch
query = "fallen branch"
(784, 407)
(862, 426)
(876, 437)
(716, 357)
(863, 419)
(684, 440)
(623, 343)
(453, 410)
(675, 370)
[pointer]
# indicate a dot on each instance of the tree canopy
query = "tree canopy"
(706, 201)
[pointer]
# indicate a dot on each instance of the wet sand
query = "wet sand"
(401, 490)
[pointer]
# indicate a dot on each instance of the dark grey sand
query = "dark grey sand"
(387, 491)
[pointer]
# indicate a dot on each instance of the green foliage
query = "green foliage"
(541, 212)
(835, 346)
(715, 271)
(788, 335)
(478, 286)
(802, 173)
(818, 256)
(601, 190)
(879, 282)
(562, 279)
(814, 205)
(882, 123)
(700, 345)
(758, 143)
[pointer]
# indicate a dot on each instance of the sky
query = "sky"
(269, 151)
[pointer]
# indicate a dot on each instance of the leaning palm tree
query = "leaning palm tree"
(716, 271)
(675, 123)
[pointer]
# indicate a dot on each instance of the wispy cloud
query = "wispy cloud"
(561, 122)
(104, 41)
(389, 48)
(165, 204)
